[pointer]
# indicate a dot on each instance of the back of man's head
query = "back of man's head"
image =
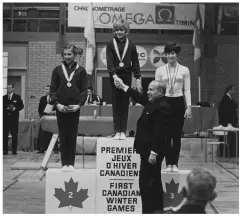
(201, 185)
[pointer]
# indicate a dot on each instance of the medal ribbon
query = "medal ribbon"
(117, 50)
(172, 81)
(66, 74)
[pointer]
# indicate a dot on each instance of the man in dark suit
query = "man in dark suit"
(44, 136)
(12, 104)
(199, 190)
(228, 109)
(228, 116)
(150, 142)
(93, 98)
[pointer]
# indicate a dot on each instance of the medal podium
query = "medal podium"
(111, 188)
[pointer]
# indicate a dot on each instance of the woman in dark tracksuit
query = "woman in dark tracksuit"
(122, 61)
(68, 92)
(177, 80)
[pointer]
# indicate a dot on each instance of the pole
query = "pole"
(199, 88)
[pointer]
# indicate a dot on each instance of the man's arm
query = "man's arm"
(141, 99)
(41, 107)
(19, 104)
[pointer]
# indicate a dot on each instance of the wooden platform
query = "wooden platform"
(24, 189)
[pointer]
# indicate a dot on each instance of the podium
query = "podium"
(117, 177)
(172, 183)
(70, 192)
(111, 188)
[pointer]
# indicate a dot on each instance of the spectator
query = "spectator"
(12, 104)
(93, 98)
(199, 190)
(44, 136)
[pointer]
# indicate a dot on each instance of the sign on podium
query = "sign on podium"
(70, 192)
(117, 177)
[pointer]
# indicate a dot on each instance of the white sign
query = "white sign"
(70, 192)
(139, 15)
(157, 56)
(117, 177)
(142, 55)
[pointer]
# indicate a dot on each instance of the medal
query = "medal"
(172, 81)
(171, 92)
(121, 64)
(71, 75)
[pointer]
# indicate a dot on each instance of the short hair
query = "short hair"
(11, 85)
(161, 86)
(121, 24)
(201, 184)
(74, 49)
(171, 46)
(228, 88)
(90, 88)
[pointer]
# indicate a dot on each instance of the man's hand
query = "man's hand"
(152, 159)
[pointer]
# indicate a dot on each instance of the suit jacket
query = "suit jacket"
(17, 102)
(94, 98)
(228, 111)
(152, 125)
(42, 104)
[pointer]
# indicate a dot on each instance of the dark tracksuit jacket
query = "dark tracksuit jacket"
(68, 122)
(120, 100)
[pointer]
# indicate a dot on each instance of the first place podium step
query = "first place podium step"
(70, 192)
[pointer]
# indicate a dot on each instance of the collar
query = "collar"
(118, 41)
(72, 65)
(229, 95)
(11, 94)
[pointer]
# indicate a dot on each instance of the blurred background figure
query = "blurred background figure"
(228, 117)
(228, 109)
(44, 136)
(93, 98)
(12, 104)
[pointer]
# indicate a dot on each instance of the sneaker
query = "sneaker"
(174, 168)
(71, 168)
(117, 136)
(64, 168)
(122, 136)
(169, 168)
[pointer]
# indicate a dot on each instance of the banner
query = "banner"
(149, 56)
(139, 15)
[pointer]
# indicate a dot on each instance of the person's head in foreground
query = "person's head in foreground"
(156, 89)
(201, 184)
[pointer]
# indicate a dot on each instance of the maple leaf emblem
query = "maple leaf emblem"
(70, 197)
(171, 196)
